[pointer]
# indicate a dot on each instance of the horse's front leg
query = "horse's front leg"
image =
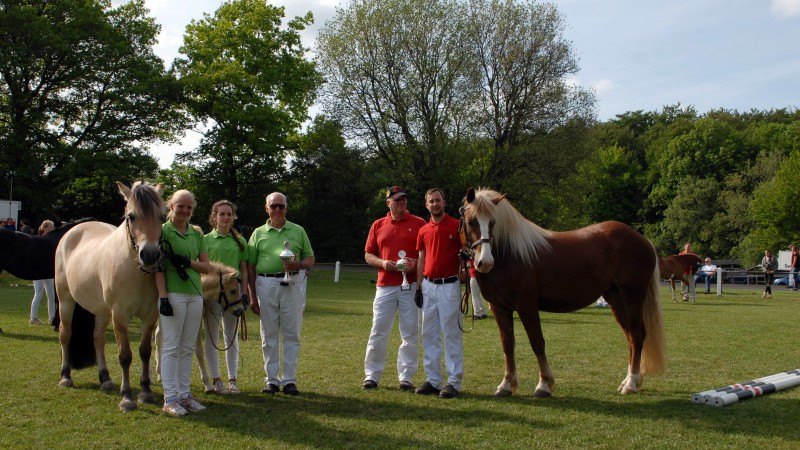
(533, 328)
(145, 350)
(199, 352)
(505, 323)
(121, 323)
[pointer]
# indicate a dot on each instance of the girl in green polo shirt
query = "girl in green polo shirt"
(180, 302)
(226, 246)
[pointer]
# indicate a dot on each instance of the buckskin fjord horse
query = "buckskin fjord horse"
(525, 268)
(101, 276)
(673, 267)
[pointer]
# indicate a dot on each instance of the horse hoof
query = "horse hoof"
(628, 390)
(541, 393)
(66, 383)
(107, 386)
(146, 397)
(502, 393)
(127, 405)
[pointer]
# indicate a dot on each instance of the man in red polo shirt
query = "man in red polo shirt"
(438, 244)
(387, 237)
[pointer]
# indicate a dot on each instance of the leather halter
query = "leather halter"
(135, 246)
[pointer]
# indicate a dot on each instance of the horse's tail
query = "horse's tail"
(81, 344)
(654, 353)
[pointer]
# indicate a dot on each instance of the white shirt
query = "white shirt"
(709, 269)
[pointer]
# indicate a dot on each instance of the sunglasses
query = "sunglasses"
(277, 206)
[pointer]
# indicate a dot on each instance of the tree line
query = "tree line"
(446, 93)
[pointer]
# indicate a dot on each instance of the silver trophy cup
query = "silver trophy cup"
(287, 256)
(402, 265)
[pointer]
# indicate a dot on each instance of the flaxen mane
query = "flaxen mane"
(514, 234)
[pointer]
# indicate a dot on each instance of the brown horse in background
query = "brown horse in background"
(525, 268)
(673, 268)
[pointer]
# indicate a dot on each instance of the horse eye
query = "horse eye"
(131, 217)
(233, 291)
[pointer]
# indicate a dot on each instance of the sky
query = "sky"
(635, 54)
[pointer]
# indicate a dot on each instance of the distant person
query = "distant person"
(10, 224)
(478, 310)
(43, 286)
(794, 267)
(688, 290)
(706, 273)
(389, 235)
(23, 227)
(768, 263)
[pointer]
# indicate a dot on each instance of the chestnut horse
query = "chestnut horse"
(673, 267)
(525, 268)
(101, 277)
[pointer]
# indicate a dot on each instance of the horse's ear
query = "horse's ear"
(499, 199)
(470, 195)
(124, 190)
(159, 188)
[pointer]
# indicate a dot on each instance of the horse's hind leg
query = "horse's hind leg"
(505, 324)
(629, 317)
(128, 403)
(99, 336)
(533, 327)
(672, 289)
(64, 336)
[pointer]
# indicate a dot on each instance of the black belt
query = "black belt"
(447, 280)
(276, 275)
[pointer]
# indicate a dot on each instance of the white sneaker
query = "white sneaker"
(232, 388)
(219, 388)
(174, 409)
(191, 404)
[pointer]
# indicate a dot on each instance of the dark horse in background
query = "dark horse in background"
(32, 257)
(525, 268)
(675, 267)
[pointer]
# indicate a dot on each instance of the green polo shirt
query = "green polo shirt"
(267, 244)
(222, 248)
(190, 245)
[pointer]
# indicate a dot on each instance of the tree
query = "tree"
(247, 80)
(79, 82)
(523, 62)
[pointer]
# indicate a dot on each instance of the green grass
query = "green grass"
(718, 341)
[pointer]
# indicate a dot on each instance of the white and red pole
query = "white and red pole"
(749, 389)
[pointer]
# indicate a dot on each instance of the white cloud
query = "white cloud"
(603, 86)
(786, 8)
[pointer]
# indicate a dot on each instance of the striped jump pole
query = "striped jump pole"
(700, 397)
(749, 389)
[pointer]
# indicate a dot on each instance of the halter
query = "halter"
(222, 299)
(135, 246)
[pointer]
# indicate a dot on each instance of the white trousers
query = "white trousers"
(281, 319)
(477, 301)
(440, 316)
(41, 287)
(179, 334)
(215, 315)
(390, 300)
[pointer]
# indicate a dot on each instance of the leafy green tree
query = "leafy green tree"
(81, 92)
(248, 81)
(523, 62)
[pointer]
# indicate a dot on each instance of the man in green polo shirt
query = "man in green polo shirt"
(279, 307)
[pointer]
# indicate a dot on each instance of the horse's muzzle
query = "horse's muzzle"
(149, 255)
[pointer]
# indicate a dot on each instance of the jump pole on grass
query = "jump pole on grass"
(749, 389)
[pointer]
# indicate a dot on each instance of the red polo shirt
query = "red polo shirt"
(387, 237)
(441, 242)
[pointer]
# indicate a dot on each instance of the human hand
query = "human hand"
(464, 255)
(245, 300)
(164, 307)
(418, 298)
(180, 261)
(254, 307)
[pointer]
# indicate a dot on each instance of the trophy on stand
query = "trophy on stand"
(402, 264)
(287, 256)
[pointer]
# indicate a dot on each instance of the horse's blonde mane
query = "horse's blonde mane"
(145, 202)
(513, 234)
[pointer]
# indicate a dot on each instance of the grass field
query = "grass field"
(718, 341)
